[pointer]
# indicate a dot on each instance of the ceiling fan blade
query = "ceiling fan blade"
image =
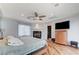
(36, 14)
(42, 16)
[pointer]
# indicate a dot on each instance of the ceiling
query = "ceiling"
(53, 11)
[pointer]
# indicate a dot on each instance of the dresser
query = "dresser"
(61, 37)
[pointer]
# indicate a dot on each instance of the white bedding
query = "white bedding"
(30, 45)
(29, 39)
(33, 43)
(13, 41)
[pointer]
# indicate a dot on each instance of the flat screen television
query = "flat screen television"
(62, 25)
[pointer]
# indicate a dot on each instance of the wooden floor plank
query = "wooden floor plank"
(57, 49)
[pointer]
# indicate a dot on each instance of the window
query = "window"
(24, 30)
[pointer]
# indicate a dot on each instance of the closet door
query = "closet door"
(49, 32)
(61, 37)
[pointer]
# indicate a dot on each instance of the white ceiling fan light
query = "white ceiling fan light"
(36, 18)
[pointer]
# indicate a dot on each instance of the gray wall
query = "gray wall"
(10, 27)
(73, 32)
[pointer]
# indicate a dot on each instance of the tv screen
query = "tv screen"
(62, 25)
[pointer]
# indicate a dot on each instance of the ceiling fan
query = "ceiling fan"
(36, 16)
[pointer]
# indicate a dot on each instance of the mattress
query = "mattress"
(30, 45)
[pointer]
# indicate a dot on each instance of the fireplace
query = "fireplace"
(37, 34)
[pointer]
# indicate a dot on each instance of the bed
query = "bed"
(30, 45)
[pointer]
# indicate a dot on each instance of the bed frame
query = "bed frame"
(41, 51)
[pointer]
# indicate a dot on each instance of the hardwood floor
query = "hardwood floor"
(66, 50)
(57, 49)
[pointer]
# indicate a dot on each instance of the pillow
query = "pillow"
(13, 41)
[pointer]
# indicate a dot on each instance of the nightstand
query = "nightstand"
(1, 38)
(3, 41)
